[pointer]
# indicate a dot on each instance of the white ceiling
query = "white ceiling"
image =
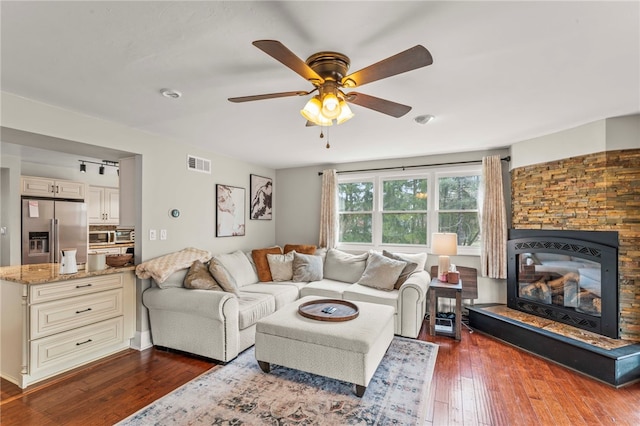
(503, 71)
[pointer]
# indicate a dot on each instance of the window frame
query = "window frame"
(431, 175)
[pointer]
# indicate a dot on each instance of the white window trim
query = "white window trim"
(432, 175)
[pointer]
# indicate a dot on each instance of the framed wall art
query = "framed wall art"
(261, 197)
(230, 207)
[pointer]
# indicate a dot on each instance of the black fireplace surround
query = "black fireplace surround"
(566, 276)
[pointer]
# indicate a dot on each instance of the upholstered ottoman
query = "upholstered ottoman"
(348, 350)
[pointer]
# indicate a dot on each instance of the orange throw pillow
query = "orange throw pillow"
(262, 265)
(300, 248)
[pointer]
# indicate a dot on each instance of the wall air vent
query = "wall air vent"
(198, 164)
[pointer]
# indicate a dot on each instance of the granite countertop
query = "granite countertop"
(50, 272)
(117, 245)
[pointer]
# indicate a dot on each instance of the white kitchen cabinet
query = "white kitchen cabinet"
(46, 187)
(114, 250)
(103, 205)
(53, 327)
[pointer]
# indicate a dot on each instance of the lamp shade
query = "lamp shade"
(330, 106)
(345, 113)
(444, 243)
(311, 110)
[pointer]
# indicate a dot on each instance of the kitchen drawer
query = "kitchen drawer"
(75, 347)
(58, 290)
(66, 314)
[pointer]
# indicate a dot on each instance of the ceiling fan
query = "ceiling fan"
(327, 72)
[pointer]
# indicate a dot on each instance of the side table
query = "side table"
(439, 289)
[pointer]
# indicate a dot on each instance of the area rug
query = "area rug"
(239, 393)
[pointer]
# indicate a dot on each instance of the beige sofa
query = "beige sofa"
(221, 324)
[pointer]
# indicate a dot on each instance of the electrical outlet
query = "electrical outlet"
(152, 234)
(163, 234)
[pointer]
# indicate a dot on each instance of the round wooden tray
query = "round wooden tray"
(329, 310)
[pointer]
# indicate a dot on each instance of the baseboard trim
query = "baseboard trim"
(141, 340)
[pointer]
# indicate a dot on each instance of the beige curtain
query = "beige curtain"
(493, 220)
(329, 209)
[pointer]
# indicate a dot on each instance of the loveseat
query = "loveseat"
(220, 322)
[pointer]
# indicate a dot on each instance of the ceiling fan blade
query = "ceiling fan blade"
(278, 51)
(411, 59)
(267, 96)
(381, 105)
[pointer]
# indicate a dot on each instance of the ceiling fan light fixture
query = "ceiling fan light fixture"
(311, 110)
(330, 106)
(323, 121)
(345, 112)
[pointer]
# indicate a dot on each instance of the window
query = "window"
(356, 212)
(458, 208)
(400, 210)
(404, 211)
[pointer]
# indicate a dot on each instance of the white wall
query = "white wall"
(604, 135)
(297, 201)
(10, 253)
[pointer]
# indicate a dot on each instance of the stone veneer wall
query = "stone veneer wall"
(595, 192)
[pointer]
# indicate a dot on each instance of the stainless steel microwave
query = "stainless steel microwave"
(124, 235)
(102, 237)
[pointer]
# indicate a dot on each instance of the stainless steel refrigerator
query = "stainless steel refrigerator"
(51, 225)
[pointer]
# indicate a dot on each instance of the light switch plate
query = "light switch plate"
(153, 234)
(163, 234)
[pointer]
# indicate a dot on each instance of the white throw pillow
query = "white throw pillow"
(381, 272)
(343, 266)
(238, 267)
(281, 266)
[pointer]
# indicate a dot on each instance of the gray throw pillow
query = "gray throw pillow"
(199, 277)
(306, 268)
(381, 272)
(222, 276)
(343, 266)
(406, 272)
(174, 280)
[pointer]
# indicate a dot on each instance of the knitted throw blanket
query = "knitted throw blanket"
(160, 268)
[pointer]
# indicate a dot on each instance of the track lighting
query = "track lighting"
(101, 169)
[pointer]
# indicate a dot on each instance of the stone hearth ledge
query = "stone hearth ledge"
(565, 330)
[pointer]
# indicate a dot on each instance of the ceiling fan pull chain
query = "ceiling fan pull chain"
(328, 146)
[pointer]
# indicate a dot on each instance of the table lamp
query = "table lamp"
(444, 245)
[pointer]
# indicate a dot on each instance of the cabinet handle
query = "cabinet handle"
(57, 189)
(86, 285)
(82, 343)
(86, 310)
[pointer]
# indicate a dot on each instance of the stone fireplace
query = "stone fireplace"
(594, 192)
(581, 217)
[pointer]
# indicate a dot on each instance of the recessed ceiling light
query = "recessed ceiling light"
(424, 119)
(170, 93)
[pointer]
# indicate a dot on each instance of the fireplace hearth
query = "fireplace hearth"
(562, 303)
(566, 276)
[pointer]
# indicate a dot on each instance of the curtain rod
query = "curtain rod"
(508, 158)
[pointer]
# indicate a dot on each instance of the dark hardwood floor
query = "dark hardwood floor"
(477, 381)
